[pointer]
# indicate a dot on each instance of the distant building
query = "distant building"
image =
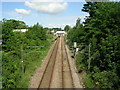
(20, 30)
(59, 33)
(52, 31)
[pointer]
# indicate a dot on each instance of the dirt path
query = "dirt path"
(57, 70)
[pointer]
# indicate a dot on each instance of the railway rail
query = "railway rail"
(47, 74)
(57, 72)
(67, 81)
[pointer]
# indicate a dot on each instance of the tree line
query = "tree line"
(18, 44)
(101, 34)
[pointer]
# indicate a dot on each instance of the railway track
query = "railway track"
(67, 80)
(47, 74)
(57, 72)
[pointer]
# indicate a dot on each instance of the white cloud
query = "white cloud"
(67, 18)
(47, 6)
(58, 25)
(23, 11)
(19, 17)
(70, 20)
(83, 17)
(43, 0)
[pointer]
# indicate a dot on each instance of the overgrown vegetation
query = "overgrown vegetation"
(20, 52)
(101, 30)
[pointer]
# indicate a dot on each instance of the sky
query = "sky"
(49, 13)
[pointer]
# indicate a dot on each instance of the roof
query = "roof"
(20, 30)
(60, 32)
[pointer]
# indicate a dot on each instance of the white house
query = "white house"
(20, 30)
(52, 31)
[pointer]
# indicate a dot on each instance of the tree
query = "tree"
(103, 37)
(37, 32)
(15, 45)
(102, 31)
(66, 28)
(78, 23)
(7, 32)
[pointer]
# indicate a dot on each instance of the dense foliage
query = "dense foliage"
(18, 46)
(67, 27)
(101, 30)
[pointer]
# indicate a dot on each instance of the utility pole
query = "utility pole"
(22, 59)
(23, 54)
(89, 54)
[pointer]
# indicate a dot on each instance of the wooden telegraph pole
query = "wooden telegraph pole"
(22, 59)
(89, 54)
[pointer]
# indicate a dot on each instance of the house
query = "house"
(20, 30)
(52, 31)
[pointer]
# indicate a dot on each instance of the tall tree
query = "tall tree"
(78, 23)
(67, 27)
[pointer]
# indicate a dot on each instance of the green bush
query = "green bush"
(89, 83)
(106, 79)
